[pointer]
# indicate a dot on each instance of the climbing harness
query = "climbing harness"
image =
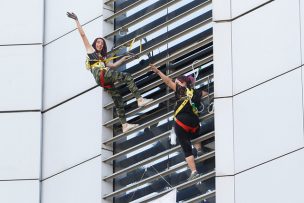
(187, 128)
(102, 81)
(189, 95)
(103, 69)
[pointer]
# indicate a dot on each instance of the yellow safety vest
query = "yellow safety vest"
(189, 95)
(96, 64)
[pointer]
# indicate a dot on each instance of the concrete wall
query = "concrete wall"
(20, 102)
(50, 108)
(259, 100)
(72, 104)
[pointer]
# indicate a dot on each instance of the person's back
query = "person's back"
(187, 114)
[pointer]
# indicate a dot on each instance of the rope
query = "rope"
(197, 70)
(139, 180)
(146, 169)
(202, 107)
(131, 44)
(129, 48)
(210, 103)
(212, 108)
(122, 30)
(195, 77)
(162, 177)
(149, 54)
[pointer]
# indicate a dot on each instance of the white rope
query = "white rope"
(146, 169)
(212, 108)
(197, 70)
(139, 180)
(162, 177)
(210, 103)
(122, 30)
(202, 107)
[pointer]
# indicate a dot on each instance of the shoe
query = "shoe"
(143, 102)
(193, 176)
(128, 126)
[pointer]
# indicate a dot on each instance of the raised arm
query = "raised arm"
(85, 40)
(167, 80)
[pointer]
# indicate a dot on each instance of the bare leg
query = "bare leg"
(191, 163)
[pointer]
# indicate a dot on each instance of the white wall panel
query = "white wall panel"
(58, 24)
(77, 185)
(107, 133)
(278, 181)
(20, 77)
(72, 132)
(108, 27)
(19, 146)
(222, 59)
(21, 22)
(242, 6)
(268, 121)
(65, 73)
(19, 191)
(266, 43)
(224, 136)
(302, 26)
(225, 189)
(221, 9)
(106, 170)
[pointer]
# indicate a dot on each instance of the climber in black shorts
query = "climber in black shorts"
(185, 115)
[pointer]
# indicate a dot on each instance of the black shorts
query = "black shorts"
(185, 139)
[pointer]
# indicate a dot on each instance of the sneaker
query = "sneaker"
(128, 126)
(143, 102)
(193, 176)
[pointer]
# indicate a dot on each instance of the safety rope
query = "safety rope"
(157, 173)
(210, 107)
(210, 104)
(139, 180)
(197, 70)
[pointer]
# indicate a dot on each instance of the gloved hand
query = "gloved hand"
(72, 15)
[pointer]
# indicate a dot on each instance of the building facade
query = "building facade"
(258, 100)
(57, 125)
(177, 37)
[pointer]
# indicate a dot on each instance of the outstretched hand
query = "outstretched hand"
(72, 15)
(128, 56)
(153, 68)
(125, 58)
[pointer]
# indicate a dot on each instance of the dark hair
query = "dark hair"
(189, 80)
(104, 50)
